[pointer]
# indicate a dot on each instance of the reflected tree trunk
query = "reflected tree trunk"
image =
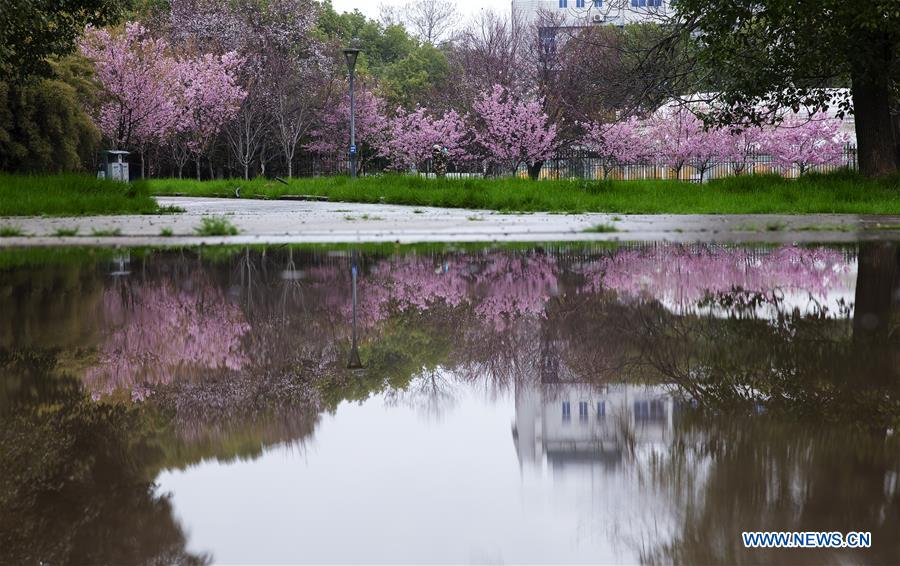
(877, 288)
(877, 299)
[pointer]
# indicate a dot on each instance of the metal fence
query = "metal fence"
(578, 164)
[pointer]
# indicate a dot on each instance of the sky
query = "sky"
(370, 7)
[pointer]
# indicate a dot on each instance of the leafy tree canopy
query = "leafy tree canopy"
(33, 31)
(43, 124)
(783, 53)
(411, 79)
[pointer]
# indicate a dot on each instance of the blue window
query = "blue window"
(598, 3)
(563, 3)
(582, 410)
(579, 3)
(601, 409)
(650, 411)
(567, 411)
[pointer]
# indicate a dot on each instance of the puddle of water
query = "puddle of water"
(623, 404)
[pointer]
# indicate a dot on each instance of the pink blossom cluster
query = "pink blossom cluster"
(331, 136)
(139, 79)
(676, 137)
(153, 96)
(498, 287)
(502, 130)
(512, 131)
(501, 288)
(209, 96)
(618, 143)
(156, 333)
(684, 275)
(805, 142)
(410, 137)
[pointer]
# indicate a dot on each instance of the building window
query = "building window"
(598, 3)
(563, 3)
(650, 411)
(601, 409)
(583, 410)
(567, 411)
(579, 3)
(642, 3)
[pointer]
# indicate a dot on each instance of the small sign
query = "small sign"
(352, 150)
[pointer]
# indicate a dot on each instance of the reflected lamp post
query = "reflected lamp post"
(350, 55)
(354, 363)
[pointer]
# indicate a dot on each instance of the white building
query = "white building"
(592, 12)
(571, 424)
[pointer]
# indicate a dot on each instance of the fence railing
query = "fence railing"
(579, 164)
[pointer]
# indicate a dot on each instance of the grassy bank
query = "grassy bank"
(834, 193)
(71, 195)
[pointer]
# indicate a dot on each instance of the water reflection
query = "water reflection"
(663, 398)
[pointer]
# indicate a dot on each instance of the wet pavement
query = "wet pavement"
(273, 222)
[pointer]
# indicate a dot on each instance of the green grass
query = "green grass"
(602, 229)
(166, 233)
(72, 195)
(216, 226)
(841, 192)
(10, 231)
(106, 233)
(65, 232)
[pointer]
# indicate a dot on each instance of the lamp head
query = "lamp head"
(350, 55)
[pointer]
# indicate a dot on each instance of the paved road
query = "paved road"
(262, 221)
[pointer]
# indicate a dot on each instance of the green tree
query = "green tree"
(43, 124)
(413, 79)
(35, 31)
(786, 51)
(381, 45)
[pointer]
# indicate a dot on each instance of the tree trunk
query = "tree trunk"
(198, 167)
(534, 170)
(874, 132)
(246, 170)
(290, 168)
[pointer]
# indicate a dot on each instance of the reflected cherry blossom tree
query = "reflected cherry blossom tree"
(158, 331)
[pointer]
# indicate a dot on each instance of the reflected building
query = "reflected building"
(564, 425)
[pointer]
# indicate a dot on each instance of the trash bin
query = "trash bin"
(113, 165)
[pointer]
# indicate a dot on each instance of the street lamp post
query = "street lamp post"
(350, 54)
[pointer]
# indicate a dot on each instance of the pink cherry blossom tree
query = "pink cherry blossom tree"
(744, 143)
(680, 138)
(410, 136)
(805, 142)
(157, 333)
(513, 132)
(209, 98)
(331, 134)
(139, 84)
(619, 143)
